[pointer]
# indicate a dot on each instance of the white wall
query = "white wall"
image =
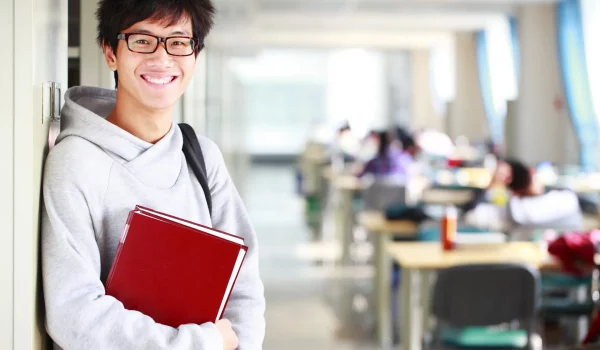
(94, 71)
(423, 113)
(23, 140)
(544, 132)
(6, 177)
(466, 114)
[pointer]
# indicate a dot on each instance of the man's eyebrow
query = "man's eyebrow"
(145, 31)
(180, 32)
(142, 31)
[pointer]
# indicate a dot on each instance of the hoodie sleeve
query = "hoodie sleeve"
(78, 313)
(246, 305)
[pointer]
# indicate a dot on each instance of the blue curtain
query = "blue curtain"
(575, 77)
(514, 34)
(495, 121)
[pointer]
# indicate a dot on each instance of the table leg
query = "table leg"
(411, 323)
(582, 325)
(383, 291)
(343, 225)
(427, 278)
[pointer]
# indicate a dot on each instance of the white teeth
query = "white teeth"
(161, 81)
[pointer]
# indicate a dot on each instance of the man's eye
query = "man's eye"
(141, 42)
(177, 43)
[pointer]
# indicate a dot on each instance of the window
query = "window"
(590, 16)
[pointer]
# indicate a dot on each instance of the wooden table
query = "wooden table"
(375, 222)
(591, 222)
(383, 229)
(344, 186)
(444, 196)
(419, 258)
(344, 181)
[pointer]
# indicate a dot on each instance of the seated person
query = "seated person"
(389, 161)
(408, 143)
(530, 205)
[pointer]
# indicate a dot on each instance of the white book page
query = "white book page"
(234, 273)
(197, 227)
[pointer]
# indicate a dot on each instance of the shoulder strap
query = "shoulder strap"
(195, 159)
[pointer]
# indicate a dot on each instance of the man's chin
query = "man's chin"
(160, 104)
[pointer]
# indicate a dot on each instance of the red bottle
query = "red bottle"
(448, 229)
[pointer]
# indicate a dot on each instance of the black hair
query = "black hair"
(405, 138)
(521, 177)
(344, 127)
(408, 142)
(402, 133)
(384, 143)
(115, 15)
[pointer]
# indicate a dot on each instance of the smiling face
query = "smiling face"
(152, 81)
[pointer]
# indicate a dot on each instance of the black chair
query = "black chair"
(478, 306)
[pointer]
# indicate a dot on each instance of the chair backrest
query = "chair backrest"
(381, 193)
(485, 295)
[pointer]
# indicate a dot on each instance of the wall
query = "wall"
(466, 114)
(23, 141)
(544, 132)
(423, 113)
(94, 71)
(6, 176)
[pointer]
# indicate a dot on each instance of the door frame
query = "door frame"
(25, 251)
(43, 23)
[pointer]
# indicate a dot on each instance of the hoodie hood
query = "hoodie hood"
(84, 116)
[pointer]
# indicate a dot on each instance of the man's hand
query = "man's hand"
(230, 339)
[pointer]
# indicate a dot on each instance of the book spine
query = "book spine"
(119, 249)
(234, 281)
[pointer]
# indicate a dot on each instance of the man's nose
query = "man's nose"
(160, 56)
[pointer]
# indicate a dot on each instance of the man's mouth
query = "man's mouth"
(159, 80)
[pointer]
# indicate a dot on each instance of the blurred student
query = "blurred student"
(530, 204)
(410, 147)
(344, 148)
(389, 161)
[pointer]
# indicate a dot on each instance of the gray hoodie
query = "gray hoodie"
(93, 177)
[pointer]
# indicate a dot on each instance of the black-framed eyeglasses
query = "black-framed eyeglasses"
(148, 43)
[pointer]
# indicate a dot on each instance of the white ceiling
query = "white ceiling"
(352, 23)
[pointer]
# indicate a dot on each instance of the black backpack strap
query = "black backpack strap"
(195, 159)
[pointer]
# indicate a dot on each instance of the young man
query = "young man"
(118, 149)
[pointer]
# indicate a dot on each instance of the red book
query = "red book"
(175, 271)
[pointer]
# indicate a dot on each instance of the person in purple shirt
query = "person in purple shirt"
(390, 159)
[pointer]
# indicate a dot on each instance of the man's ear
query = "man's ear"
(111, 58)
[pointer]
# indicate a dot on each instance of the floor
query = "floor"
(309, 305)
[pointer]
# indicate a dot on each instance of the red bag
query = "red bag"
(575, 251)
